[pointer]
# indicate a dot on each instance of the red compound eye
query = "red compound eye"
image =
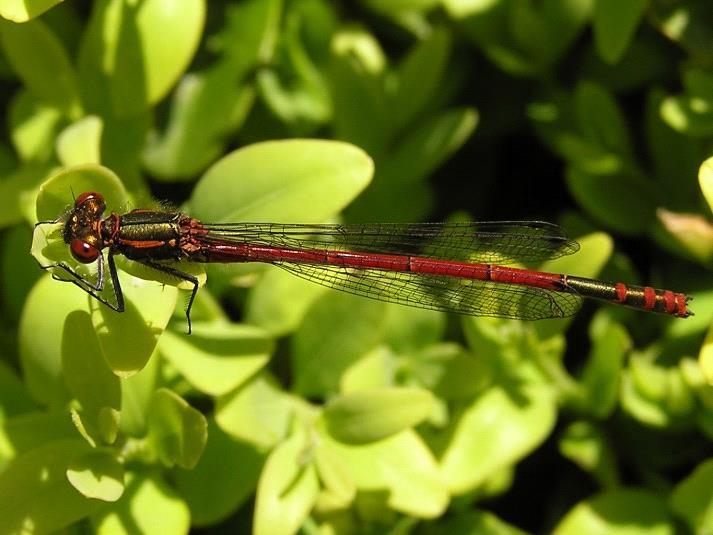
(84, 252)
(88, 196)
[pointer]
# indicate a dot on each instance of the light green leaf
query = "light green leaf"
(207, 106)
(217, 357)
(17, 193)
(41, 61)
(294, 181)
(287, 489)
(478, 448)
(279, 301)
(338, 488)
(80, 142)
(401, 469)
(589, 448)
(33, 126)
(224, 478)
(89, 378)
(14, 397)
(371, 415)
(705, 180)
(128, 339)
(97, 474)
(55, 194)
(37, 497)
(148, 501)
(618, 512)
(136, 392)
(601, 375)
(337, 330)
(41, 356)
(692, 498)
(258, 412)
(421, 151)
(135, 66)
(358, 66)
(177, 430)
(705, 357)
(22, 433)
(22, 10)
(615, 23)
(692, 112)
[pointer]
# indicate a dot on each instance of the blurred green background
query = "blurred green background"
(295, 409)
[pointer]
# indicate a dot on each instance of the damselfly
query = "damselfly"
(454, 267)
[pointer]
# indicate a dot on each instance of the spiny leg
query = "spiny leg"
(179, 275)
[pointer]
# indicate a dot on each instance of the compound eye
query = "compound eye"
(89, 196)
(82, 251)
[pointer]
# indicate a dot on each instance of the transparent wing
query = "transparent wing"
(463, 296)
(486, 242)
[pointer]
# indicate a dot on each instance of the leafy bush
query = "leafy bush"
(292, 408)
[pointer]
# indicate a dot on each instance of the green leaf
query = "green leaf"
(622, 201)
(123, 54)
(418, 77)
(287, 489)
(18, 271)
(705, 357)
(473, 523)
(41, 61)
(292, 181)
(224, 478)
(55, 194)
(614, 26)
(22, 11)
(655, 395)
(36, 494)
(177, 430)
(128, 339)
(705, 180)
(17, 193)
(422, 150)
(600, 119)
(400, 470)
(89, 378)
(208, 106)
(410, 329)
(449, 371)
(97, 474)
(148, 501)
(136, 393)
(80, 142)
(14, 397)
(337, 330)
(371, 415)
(692, 498)
(22, 433)
(41, 356)
(258, 412)
(587, 446)
(478, 448)
(33, 126)
(279, 301)
(217, 357)
(601, 376)
(357, 70)
(692, 113)
(338, 488)
(618, 512)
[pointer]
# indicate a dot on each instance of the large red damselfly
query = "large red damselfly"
(454, 267)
